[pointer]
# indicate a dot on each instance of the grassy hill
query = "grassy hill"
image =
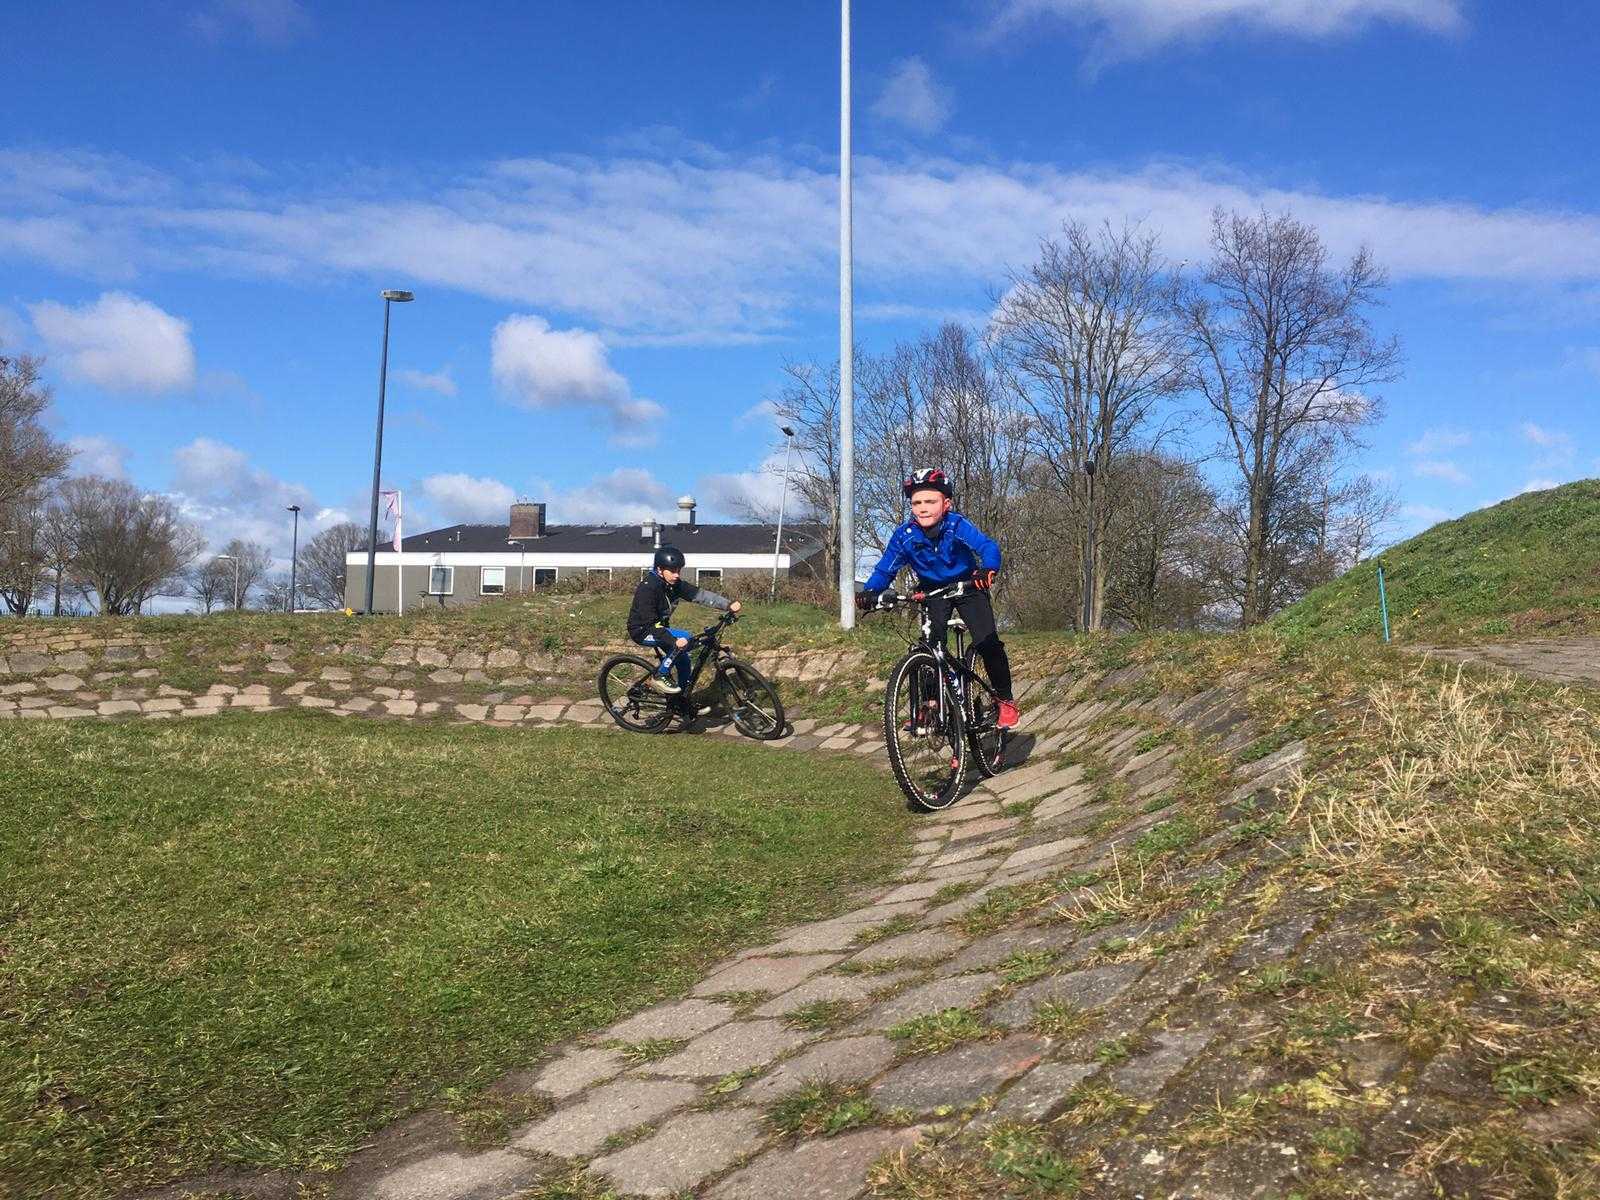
(1529, 565)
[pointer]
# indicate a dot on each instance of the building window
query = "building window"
(492, 582)
(600, 574)
(441, 581)
(709, 575)
(544, 577)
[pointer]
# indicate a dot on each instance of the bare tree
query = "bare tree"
(210, 582)
(274, 595)
(1089, 342)
(254, 561)
(937, 402)
(1283, 352)
(809, 404)
(1164, 509)
(29, 458)
(322, 562)
(23, 553)
(129, 546)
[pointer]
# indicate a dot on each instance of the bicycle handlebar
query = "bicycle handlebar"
(889, 600)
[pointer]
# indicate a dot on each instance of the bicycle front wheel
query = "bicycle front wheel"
(984, 735)
(925, 733)
(751, 700)
(626, 692)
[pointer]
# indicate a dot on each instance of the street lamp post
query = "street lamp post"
(783, 498)
(847, 466)
(234, 558)
(294, 561)
(391, 296)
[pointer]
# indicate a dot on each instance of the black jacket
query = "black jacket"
(654, 599)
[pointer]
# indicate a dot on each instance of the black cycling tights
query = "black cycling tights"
(978, 613)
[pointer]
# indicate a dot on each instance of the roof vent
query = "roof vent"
(686, 507)
(647, 528)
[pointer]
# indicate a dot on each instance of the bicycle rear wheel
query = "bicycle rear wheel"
(626, 692)
(925, 733)
(751, 700)
(987, 739)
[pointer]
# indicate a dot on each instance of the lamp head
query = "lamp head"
(398, 296)
(787, 432)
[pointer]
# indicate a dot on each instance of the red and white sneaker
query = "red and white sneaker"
(1007, 718)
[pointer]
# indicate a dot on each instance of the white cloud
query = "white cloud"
(119, 342)
(912, 98)
(745, 493)
(428, 381)
(469, 499)
(1437, 441)
(1447, 471)
(683, 243)
(1546, 438)
(1423, 515)
(625, 495)
(96, 455)
(1124, 28)
(275, 22)
(540, 367)
(216, 486)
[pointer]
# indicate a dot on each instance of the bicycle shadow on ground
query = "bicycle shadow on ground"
(1019, 749)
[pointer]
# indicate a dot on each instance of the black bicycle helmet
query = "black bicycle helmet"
(670, 557)
(928, 477)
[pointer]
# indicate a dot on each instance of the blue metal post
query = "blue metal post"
(1383, 603)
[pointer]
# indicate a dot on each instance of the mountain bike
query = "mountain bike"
(739, 689)
(938, 707)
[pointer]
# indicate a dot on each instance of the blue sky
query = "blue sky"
(620, 222)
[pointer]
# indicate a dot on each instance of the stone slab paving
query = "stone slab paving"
(958, 1077)
(1572, 660)
(831, 1169)
(1041, 1093)
(678, 1019)
(682, 1153)
(577, 1069)
(454, 1176)
(924, 943)
(736, 1047)
(1090, 988)
(765, 974)
(960, 991)
(610, 1109)
(1146, 1074)
(844, 1060)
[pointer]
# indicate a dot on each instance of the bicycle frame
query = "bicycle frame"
(709, 643)
(953, 671)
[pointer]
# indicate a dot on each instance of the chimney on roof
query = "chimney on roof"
(527, 521)
(647, 528)
(686, 507)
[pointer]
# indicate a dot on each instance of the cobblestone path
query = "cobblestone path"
(1560, 660)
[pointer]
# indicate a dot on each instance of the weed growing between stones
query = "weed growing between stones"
(650, 1050)
(1061, 1019)
(576, 1184)
(1009, 1160)
(485, 1119)
(893, 927)
(1023, 966)
(821, 1108)
(820, 1015)
(933, 1033)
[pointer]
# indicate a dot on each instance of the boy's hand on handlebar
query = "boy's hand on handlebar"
(682, 643)
(867, 599)
(983, 579)
(734, 607)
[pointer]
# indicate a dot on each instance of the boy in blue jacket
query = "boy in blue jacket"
(943, 547)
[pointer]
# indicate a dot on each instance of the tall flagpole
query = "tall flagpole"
(847, 450)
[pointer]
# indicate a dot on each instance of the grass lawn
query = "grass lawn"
(255, 939)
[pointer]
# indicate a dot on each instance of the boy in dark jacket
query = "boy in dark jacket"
(654, 599)
(943, 547)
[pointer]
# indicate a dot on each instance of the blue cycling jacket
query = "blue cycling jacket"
(955, 549)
